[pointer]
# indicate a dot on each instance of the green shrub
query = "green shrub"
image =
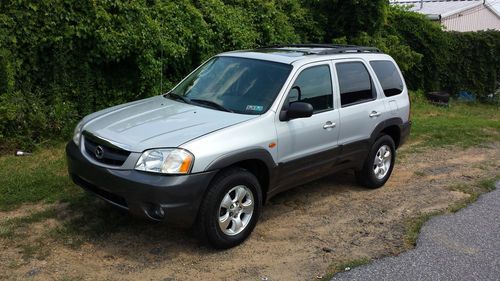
(404, 55)
(6, 72)
(62, 59)
(349, 18)
(475, 62)
(23, 113)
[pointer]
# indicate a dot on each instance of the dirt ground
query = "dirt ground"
(301, 232)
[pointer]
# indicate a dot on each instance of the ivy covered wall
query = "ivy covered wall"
(62, 59)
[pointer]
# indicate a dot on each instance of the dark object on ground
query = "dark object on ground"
(33, 272)
(327, 249)
(438, 98)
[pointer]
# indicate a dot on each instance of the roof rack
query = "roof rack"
(328, 48)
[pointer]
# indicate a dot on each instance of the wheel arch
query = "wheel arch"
(257, 161)
(391, 127)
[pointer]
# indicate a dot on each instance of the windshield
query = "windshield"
(233, 84)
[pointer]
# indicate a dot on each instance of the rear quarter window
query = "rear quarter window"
(389, 77)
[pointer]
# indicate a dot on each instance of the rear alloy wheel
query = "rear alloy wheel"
(378, 166)
(230, 209)
(382, 162)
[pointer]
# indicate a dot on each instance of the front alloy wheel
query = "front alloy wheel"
(230, 209)
(236, 210)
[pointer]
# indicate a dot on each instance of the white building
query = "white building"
(461, 15)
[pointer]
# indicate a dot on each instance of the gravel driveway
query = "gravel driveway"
(303, 234)
(461, 246)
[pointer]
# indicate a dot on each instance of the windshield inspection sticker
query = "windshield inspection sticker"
(255, 107)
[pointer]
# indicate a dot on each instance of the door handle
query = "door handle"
(329, 125)
(375, 114)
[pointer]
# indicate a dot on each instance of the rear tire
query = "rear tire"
(230, 209)
(378, 166)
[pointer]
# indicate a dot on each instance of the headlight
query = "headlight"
(165, 161)
(77, 133)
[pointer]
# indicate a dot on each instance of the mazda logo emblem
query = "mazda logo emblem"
(99, 152)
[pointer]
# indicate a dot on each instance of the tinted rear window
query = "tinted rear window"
(388, 76)
(354, 82)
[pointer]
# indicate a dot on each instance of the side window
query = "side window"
(388, 76)
(314, 86)
(354, 82)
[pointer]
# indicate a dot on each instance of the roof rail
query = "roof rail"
(328, 48)
(306, 46)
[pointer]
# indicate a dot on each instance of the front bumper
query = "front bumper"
(174, 198)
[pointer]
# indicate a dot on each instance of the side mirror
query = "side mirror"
(297, 110)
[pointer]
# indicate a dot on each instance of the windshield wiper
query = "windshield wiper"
(212, 104)
(175, 96)
(187, 100)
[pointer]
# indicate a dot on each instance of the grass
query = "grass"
(413, 227)
(419, 173)
(489, 184)
(8, 228)
(31, 179)
(345, 266)
(462, 124)
(36, 249)
(69, 278)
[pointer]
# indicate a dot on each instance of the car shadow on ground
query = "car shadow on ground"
(121, 235)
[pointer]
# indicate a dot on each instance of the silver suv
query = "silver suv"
(241, 128)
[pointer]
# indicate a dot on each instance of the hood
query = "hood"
(157, 122)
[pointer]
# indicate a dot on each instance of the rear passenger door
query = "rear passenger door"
(361, 108)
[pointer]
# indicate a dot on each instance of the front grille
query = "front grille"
(110, 155)
(113, 198)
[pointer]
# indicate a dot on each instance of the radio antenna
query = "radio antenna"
(161, 58)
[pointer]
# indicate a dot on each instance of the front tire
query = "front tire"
(230, 209)
(378, 166)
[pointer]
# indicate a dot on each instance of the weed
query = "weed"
(473, 190)
(419, 173)
(337, 268)
(32, 250)
(413, 227)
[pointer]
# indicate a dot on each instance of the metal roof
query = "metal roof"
(441, 8)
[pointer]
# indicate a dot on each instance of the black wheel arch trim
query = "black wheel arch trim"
(234, 157)
(250, 154)
(395, 121)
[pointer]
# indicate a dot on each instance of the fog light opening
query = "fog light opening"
(156, 212)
